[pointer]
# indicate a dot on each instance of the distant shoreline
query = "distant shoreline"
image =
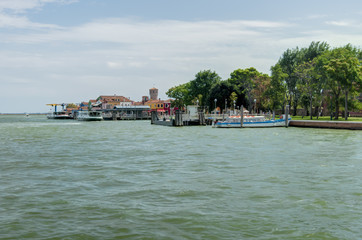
(23, 114)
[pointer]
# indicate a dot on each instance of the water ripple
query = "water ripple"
(132, 180)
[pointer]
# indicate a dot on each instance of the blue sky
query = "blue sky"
(56, 51)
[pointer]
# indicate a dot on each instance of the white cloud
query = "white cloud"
(133, 32)
(340, 23)
(18, 6)
(317, 16)
(13, 21)
(12, 13)
(127, 56)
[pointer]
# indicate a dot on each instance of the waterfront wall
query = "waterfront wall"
(326, 124)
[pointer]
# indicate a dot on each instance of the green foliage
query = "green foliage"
(291, 60)
(72, 105)
(308, 82)
(221, 92)
(261, 84)
(277, 89)
(306, 76)
(343, 73)
(180, 94)
(233, 97)
(244, 82)
(201, 85)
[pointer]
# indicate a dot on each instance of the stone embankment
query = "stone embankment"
(326, 124)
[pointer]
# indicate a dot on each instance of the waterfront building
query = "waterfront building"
(161, 106)
(109, 102)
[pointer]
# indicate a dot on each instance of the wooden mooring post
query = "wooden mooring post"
(241, 116)
(114, 115)
(178, 118)
(154, 117)
(286, 115)
(202, 120)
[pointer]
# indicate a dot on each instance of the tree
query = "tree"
(289, 62)
(276, 91)
(308, 82)
(314, 50)
(244, 81)
(261, 84)
(201, 85)
(221, 92)
(343, 71)
(72, 105)
(233, 98)
(180, 94)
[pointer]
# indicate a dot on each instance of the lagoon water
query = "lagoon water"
(133, 180)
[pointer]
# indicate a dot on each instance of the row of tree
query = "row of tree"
(302, 77)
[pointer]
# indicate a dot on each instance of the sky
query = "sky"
(69, 51)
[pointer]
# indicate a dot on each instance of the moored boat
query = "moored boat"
(58, 115)
(251, 121)
(89, 116)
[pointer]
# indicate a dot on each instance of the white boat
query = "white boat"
(89, 116)
(251, 121)
(58, 115)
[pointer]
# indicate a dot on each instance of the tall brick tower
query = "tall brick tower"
(154, 93)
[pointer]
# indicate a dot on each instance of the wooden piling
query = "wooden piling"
(286, 115)
(153, 117)
(241, 115)
(114, 115)
(202, 118)
(178, 118)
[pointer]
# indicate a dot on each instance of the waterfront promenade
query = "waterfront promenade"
(326, 124)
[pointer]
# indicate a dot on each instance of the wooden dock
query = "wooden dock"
(127, 113)
(178, 120)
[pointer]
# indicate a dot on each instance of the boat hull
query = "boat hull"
(89, 116)
(58, 116)
(90, 119)
(257, 124)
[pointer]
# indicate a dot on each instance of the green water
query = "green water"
(132, 180)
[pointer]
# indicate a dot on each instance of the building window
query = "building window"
(161, 105)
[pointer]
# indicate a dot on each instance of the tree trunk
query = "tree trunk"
(295, 107)
(346, 106)
(337, 109)
(311, 109)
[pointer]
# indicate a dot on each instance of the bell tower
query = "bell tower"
(154, 93)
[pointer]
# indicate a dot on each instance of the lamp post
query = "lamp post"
(254, 106)
(215, 100)
(234, 106)
(226, 102)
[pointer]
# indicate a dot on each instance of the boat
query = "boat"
(89, 116)
(58, 115)
(251, 121)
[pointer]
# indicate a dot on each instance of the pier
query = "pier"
(326, 124)
(179, 119)
(127, 113)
